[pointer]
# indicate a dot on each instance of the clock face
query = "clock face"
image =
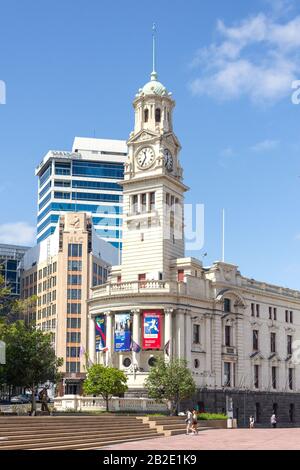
(168, 159)
(145, 158)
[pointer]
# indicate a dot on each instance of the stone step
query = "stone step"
(83, 436)
(56, 430)
(75, 443)
(66, 432)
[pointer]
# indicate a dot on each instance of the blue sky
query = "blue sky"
(72, 68)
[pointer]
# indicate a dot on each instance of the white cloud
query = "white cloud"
(265, 145)
(17, 233)
(257, 57)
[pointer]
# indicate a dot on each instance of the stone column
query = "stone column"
(188, 337)
(92, 339)
(109, 338)
(168, 333)
(180, 334)
(136, 335)
(208, 342)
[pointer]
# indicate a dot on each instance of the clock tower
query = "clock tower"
(153, 226)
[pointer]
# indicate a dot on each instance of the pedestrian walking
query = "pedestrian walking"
(189, 421)
(251, 422)
(194, 422)
(273, 421)
(43, 396)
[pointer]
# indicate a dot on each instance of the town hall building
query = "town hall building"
(236, 334)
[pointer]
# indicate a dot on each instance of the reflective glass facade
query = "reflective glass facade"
(71, 182)
(10, 257)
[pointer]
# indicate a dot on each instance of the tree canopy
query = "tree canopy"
(105, 382)
(170, 382)
(30, 357)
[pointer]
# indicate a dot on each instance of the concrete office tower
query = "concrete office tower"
(61, 271)
(85, 179)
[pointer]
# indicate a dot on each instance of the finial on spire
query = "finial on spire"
(153, 74)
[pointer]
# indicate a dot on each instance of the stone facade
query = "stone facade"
(235, 333)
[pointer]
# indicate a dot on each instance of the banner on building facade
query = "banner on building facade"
(122, 332)
(152, 329)
(100, 324)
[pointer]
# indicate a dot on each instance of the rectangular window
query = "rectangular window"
(75, 250)
(287, 316)
(135, 204)
(252, 310)
(180, 275)
(227, 374)
(289, 345)
(74, 308)
(275, 313)
(256, 376)
(227, 305)
(74, 279)
(255, 340)
(75, 265)
(143, 202)
(227, 335)
(273, 342)
(274, 377)
(74, 294)
(73, 366)
(257, 310)
(152, 202)
(73, 337)
(270, 313)
(291, 377)
(73, 351)
(291, 317)
(54, 267)
(73, 323)
(196, 334)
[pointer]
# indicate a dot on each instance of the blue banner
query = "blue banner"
(100, 333)
(122, 332)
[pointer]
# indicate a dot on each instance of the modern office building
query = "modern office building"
(10, 257)
(237, 334)
(60, 270)
(85, 179)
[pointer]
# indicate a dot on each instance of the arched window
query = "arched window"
(157, 115)
(146, 115)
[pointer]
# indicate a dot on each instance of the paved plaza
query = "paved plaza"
(222, 439)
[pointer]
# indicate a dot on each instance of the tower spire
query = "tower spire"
(154, 73)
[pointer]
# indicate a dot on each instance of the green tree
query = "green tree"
(30, 357)
(170, 382)
(12, 308)
(105, 381)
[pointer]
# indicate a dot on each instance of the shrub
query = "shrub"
(210, 416)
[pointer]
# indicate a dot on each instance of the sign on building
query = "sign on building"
(152, 329)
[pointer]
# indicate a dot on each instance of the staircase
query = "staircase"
(71, 432)
(170, 425)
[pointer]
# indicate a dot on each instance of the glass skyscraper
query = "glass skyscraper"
(85, 179)
(10, 257)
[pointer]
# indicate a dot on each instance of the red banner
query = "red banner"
(152, 329)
